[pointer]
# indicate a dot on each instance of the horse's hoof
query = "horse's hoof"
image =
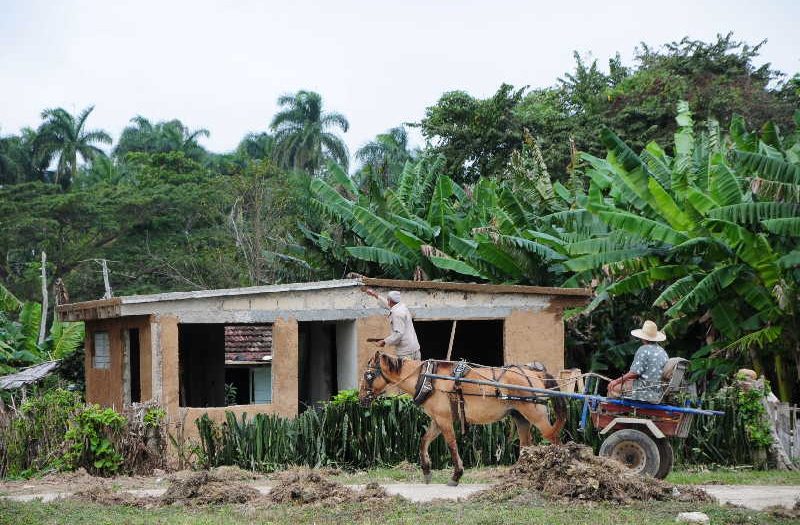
(428, 477)
(452, 483)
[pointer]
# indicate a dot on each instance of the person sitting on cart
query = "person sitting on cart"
(643, 381)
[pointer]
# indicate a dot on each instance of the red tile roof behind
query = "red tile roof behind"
(248, 342)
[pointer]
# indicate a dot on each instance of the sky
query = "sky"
(222, 65)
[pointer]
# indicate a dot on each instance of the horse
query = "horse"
(480, 404)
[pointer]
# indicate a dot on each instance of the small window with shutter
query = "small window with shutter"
(101, 357)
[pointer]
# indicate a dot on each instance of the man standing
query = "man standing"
(403, 336)
(643, 381)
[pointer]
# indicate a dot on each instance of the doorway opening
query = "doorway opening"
(477, 341)
(326, 360)
(134, 362)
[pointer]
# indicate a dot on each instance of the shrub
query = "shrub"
(90, 441)
(31, 438)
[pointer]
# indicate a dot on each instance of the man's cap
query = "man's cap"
(394, 296)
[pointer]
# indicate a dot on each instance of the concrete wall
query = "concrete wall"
(338, 305)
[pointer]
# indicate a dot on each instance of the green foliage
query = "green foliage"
(718, 78)
(749, 402)
(89, 441)
(142, 136)
(153, 417)
(701, 234)
(33, 439)
(64, 137)
(342, 433)
(303, 136)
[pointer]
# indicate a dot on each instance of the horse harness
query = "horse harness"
(424, 387)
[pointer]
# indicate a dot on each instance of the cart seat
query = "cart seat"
(673, 378)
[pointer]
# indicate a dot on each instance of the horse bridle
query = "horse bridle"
(370, 375)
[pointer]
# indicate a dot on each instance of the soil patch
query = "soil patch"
(303, 487)
(103, 493)
(572, 472)
(778, 511)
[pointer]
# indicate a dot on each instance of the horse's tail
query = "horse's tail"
(559, 403)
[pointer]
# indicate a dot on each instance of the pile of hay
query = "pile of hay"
(102, 493)
(186, 488)
(573, 472)
(304, 487)
(205, 488)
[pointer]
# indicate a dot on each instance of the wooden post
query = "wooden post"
(452, 338)
(43, 322)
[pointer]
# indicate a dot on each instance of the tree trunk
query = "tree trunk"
(784, 386)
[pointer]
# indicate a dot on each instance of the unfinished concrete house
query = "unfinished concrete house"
(281, 348)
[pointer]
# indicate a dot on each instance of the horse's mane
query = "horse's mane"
(393, 364)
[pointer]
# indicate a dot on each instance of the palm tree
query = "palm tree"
(256, 146)
(385, 156)
(303, 135)
(162, 137)
(63, 136)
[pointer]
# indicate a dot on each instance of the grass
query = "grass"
(730, 476)
(74, 513)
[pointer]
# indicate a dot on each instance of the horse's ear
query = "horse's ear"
(377, 355)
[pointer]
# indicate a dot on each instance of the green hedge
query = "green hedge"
(342, 433)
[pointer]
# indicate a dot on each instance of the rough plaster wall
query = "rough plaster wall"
(346, 355)
(368, 327)
(146, 360)
(168, 341)
(155, 349)
(284, 368)
(535, 336)
(104, 386)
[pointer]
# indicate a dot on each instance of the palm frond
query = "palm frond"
(753, 212)
(758, 339)
(769, 168)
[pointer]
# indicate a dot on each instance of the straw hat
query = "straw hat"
(649, 332)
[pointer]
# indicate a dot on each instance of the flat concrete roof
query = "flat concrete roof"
(104, 308)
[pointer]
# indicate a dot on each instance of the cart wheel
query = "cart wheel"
(634, 449)
(667, 458)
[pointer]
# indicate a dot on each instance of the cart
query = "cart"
(636, 433)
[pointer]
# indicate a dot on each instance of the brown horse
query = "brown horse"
(481, 404)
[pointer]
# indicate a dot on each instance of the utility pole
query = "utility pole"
(43, 323)
(108, 293)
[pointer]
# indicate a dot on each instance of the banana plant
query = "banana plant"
(19, 332)
(428, 226)
(714, 228)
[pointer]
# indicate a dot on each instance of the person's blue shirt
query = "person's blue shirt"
(649, 363)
